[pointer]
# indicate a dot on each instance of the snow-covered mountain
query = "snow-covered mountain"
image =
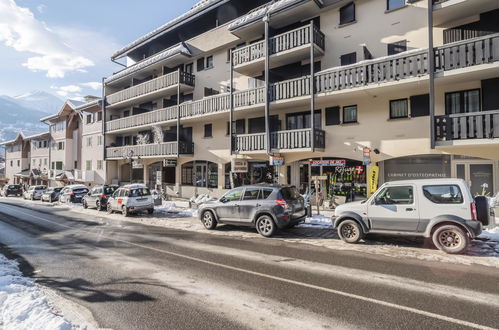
(15, 118)
(38, 100)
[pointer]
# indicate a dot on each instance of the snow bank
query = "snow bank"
(23, 305)
(179, 208)
(491, 235)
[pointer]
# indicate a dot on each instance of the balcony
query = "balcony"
(152, 89)
(84, 176)
(281, 141)
(467, 126)
(285, 48)
(167, 149)
(144, 119)
(448, 11)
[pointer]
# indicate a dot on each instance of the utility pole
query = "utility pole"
(312, 88)
(431, 64)
(267, 84)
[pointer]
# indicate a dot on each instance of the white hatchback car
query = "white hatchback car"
(34, 192)
(441, 209)
(131, 199)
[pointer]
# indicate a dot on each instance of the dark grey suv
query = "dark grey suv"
(266, 207)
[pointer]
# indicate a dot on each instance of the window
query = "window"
(209, 62)
(208, 130)
(238, 127)
(443, 194)
(420, 105)
(399, 109)
(45, 161)
(89, 141)
(60, 146)
(402, 195)
(99, 164)
(350, 114)
(34, 162)
(18, 163)
(265, 193)
(99, 140)
(88, 165)
(463, 102)
(188, 68)
(200, 173)
(302, 120)
(200, 64)
(394, 4)
(11, 163)
(397, 47)
(347, 13)
(45, 144)
(233, 195)
(210, 92)
(347, 59)
(251, 194)
(99, 116)
(89, 119)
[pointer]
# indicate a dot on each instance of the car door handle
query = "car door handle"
(258, 205)
(410, 209)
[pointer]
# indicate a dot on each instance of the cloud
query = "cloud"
(93, 85)
(20, 30)
(41, 8)
(69, 91)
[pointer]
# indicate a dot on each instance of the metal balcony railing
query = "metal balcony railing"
(167, 80)
(475, 125)
(280, 43)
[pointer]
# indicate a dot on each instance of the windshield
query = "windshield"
(80, 190)
(140, 192)
(13, 186)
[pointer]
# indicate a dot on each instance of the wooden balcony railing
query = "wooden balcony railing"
(280, 140)
(150, 150)
(148, 118)
(475, 125)
(280, 43)
(168, 80)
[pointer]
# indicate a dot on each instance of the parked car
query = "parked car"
(266, 207)
(34, 192)
(73, 193)
(51, 194)
(131, 199)
(12, 190)
(97, 197)
(441, 209)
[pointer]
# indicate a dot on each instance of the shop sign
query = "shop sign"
(366, 156)
(373, 180)
(239, 166)
(417, 167)
(136, 164)
(319, 178)
(169, 163)
(276, 161)
(316, 163)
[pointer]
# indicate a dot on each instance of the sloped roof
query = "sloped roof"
(37, 136)
(20, 136)
(182, 19)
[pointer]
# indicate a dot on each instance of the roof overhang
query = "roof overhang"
(38, 136)
(172, 56)
(20, 137)
(196, 11)
(280, 13)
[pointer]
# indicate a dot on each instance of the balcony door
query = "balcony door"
(480, 176)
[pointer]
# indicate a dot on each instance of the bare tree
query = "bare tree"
(158, 134)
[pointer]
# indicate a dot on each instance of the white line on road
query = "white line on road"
(280, 279)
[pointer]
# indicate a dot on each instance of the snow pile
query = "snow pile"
(491, 234)
(317, 221)
(180, 209)
(23, 305)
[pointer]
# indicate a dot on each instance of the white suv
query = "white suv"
(441, 209)
(131, 199)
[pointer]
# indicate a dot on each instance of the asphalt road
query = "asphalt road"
(133, 276)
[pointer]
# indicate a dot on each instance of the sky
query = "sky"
(64, 46)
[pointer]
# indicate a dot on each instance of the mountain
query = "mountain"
(38, 100)
(15, 118)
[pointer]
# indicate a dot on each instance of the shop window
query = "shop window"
(420, 105)
(399, 109)
(394, 4)
(332, 116)
(397, 47)
(200, 174)
(462, 102)
(301, 120)
(208, 130)
(350, 114)
(347, 59)
(347, 13)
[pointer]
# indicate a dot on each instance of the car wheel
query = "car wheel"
(150, 211)
(125, 211)
(98, 206)
(350, 231)
(450, 239)
(85, 205)
(109, 208)
(265, 226)
(209, 220)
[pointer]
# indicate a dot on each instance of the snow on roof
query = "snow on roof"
(165, 54)
(36, 136)
(260, 12)
(200, 6)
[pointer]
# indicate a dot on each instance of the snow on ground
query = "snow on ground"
(23, 305)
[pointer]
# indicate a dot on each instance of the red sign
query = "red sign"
(359, 169)
(340, 162)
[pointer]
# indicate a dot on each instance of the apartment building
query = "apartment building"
(292, 91)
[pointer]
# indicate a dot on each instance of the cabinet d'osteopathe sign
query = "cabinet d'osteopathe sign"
(417, 167)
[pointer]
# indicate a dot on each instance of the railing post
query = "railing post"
(312, 89)
(431, 62)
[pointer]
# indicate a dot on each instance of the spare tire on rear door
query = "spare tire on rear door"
(482, 210)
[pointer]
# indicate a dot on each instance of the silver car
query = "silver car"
(34, 192)
(131, 199)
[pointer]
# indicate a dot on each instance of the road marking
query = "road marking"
(302, 284)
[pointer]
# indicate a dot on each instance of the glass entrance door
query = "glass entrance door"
(479, 176)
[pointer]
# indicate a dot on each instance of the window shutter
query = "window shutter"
(332, 116)
(490, 101)
(347, 13)
(420, 105)
(347, 59)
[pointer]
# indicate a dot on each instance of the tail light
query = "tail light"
(102, 196)
(474, 215)
(72, 194)
(282, 203)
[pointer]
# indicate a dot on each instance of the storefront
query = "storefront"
(162, 174)
(200, 173)
(257, 172)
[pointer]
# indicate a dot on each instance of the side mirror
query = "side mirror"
(222, 200)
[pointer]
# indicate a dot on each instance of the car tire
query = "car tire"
(350, 231)
(150, 211)
(125, 211)
(265, 226)
(98, 206)
(85, 205)
(209, 221)
(109, 209)
(450, 239)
